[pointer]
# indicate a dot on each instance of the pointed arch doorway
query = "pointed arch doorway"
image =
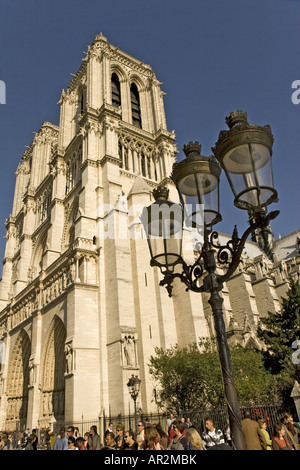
(17, 384)
(52, 385)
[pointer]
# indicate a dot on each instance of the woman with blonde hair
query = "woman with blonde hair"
(263, 427)
(194, 439)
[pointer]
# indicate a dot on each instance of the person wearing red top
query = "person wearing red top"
(179, 441)
(279, 441)
(172, 432)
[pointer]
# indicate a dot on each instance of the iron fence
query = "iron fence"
(271, 413)
(83, 426)
(129, 421)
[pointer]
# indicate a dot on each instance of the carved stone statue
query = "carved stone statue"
(31, 373)
(2, 353)
(69, 358)
(129, 350)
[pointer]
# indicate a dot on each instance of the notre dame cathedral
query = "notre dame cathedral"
(82, 310)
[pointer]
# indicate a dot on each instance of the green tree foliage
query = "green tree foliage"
(254, 384)
(190, 378)
(279, 331)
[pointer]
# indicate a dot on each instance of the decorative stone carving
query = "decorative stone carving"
(2, 356)
(280, 272)
(129, 355)
(70, 358)
(47, 134)
(32, 374)
(47, 405)
(261, 267)
(129, 351)
(3, 328)
(2, 381)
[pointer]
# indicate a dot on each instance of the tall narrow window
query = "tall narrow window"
(149, 167)
(143, 164)
(115, 91)
(135, 106)
(120, 154)
(126, 161)
(82, 101)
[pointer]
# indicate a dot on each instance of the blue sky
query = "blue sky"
(213, 56)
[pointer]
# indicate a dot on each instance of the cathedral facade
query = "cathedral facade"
(81, 310)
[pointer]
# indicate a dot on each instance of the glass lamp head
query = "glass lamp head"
(163, 225)
(197, 181)
(244, 152)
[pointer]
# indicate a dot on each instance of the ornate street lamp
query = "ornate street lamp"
(244, 152)
(133, 385)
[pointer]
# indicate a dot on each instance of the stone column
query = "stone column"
(3, 381)
(34, 394)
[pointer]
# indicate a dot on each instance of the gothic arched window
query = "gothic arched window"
(135, 106)
(120, 153)
(126, 161)
(143, 164)
(82, 100)
(115, 91)
(149, 167)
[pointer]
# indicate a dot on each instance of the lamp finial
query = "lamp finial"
(236, 118)
(160, 193)
(192, 149)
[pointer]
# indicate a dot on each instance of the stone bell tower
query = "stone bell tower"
(127, 151)
(82, 310)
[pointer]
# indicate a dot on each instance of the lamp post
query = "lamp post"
(134, 389)
(244, 153)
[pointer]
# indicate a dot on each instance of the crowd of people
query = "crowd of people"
(18, 440)
(179, 434)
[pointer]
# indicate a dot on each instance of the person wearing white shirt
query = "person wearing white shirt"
(212, 436)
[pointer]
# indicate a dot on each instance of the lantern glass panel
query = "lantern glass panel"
(200, 194)
(249, 171)
(164, 229)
